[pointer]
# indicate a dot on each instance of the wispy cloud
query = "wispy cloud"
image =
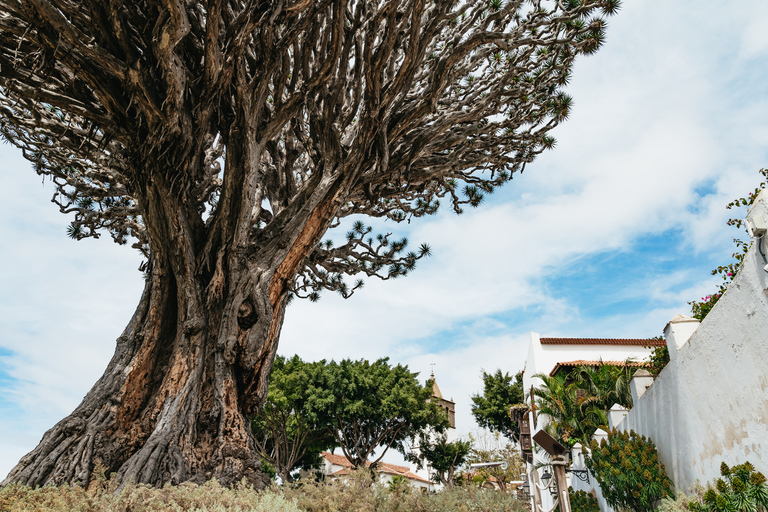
(610, 234)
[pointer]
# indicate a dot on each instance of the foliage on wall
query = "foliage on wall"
(700, 309)
(659, 357)
(741, 489)
(629, 472)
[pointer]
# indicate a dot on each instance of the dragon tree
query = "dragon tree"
(223, 139)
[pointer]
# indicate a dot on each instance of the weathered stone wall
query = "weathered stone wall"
(710, 404)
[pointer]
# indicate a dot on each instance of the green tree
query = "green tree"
(491, 408)
(443, 457)
(604, 385)
(223, 139)
(571, 416)
(628, 470)
(373, 407)
(287, 433)
(577, 403)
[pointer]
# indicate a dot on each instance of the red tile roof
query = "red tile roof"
(338, 460)
(383, 467)
(583, 362)
(601, 341)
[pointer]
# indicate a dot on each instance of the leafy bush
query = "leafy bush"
(742, 489)
(628, 470)
(680, 502)
(582, 501)
(359, 493)
(659, 357)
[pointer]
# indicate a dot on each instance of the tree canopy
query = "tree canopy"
(223, 139)
(492, 409)
(372, 407)
(441, 456)
(288, 433)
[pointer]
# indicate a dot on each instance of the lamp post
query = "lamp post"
(558, 461)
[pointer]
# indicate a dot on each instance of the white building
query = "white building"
(337, 467)
(548, 355)
(709, 405)
(545, 354)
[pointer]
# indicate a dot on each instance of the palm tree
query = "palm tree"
(606, 384)
(573, 413)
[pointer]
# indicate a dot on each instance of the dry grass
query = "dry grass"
(357, 495)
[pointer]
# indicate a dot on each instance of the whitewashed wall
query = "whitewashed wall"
(710, 404)
(543, 358)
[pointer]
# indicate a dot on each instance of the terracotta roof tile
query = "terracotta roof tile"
(338, 460)
(601, 341)
(384, 467)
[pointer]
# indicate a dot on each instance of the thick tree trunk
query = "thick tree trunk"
(169, 408)
(192, 364)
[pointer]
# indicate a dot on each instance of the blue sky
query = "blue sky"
(609, 235)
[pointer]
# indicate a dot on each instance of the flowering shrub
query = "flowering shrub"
(628, 470)
(582, 501)
(700, 309)
(741, 489)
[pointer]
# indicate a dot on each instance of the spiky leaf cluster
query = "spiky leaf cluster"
(582, 501)
(362, 253)
(629, 472)
(741, 489)
(244, 109)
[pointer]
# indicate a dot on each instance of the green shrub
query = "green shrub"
(680, 502)
(629, 472)
(741, 489)
(582, 501)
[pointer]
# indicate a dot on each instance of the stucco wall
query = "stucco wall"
(543, 358)
(710, 404)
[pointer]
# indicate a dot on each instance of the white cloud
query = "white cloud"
(669, 124)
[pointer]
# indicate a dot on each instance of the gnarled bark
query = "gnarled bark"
(319, 111)
(192, 364)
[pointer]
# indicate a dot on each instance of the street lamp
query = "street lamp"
(546, 478)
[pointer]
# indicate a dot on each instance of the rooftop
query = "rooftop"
(642, 342)
(382, 467)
